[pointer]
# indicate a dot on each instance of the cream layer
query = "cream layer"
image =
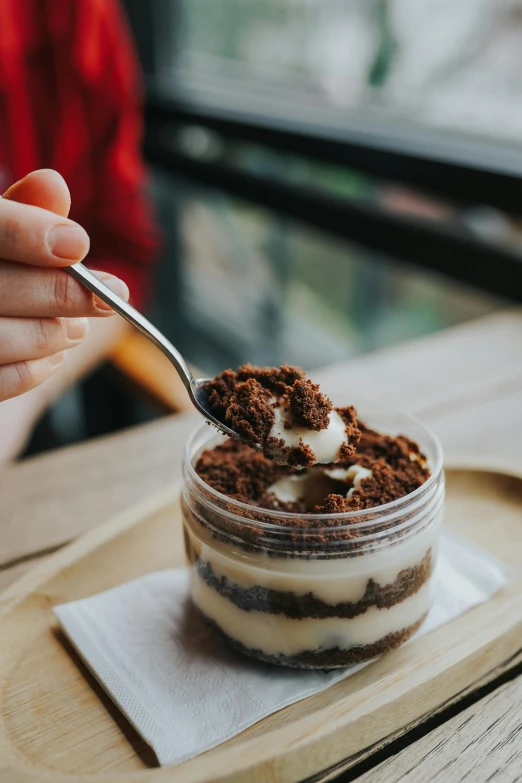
(279, 635)
(313, 485)
(333, 580)
(353, 476)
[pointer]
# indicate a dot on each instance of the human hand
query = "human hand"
(43, 310)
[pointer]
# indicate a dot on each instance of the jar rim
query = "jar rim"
(375, 515)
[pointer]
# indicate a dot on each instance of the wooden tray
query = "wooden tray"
(56, 724)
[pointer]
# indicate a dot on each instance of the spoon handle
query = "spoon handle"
(90, 281)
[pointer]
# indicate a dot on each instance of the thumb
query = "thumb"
(44, 188)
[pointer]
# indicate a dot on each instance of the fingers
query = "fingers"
(43, 309)
(24, 339)
(22, 376)
(31, 235)
(44, 188)
(30, 292)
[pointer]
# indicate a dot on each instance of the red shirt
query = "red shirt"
(69, 100)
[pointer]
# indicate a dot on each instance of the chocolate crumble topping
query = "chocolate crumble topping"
(250, 412)
(219, 391)
(301, 457)
(238, 471)
(246, 400)
(396, 463)
(349, 416)
(276, 379)
(309, 407)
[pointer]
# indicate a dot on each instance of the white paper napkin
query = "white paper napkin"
(183, 690)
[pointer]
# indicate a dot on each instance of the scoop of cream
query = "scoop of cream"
(326, 444)
(352, 475)
(312, 486)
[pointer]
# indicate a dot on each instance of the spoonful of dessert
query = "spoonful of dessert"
(281, 412)
(275, 410)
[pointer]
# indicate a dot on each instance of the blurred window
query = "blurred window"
(253, 286)
(405, 91)
(450, 65)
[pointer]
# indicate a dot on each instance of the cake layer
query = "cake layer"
(263, 599)
(323, 659)
(279, 635)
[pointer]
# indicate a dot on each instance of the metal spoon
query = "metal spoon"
(195, 388)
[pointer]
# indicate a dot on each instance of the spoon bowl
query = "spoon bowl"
(199, 397)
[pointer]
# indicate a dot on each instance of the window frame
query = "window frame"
(447, 248)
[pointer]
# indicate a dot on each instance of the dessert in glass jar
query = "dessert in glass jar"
(320, 566)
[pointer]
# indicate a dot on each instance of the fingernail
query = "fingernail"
(76, 329)
(56, 359)
(115, 284)
(70, 242)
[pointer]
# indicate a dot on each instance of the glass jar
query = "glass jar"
(344, 589)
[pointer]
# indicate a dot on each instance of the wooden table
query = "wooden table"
(465, 382)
